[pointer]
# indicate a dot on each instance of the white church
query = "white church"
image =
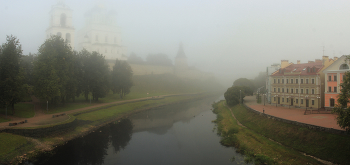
(100, 32)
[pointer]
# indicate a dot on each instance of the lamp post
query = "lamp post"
(264, 98)
(276, 99)
(306, 104)
(318, 104)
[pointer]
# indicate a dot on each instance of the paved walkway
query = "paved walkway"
(294, 114)
(41, 118)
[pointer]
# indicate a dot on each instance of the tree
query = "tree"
(134, 59)
(93, 76)
(235, 94)
(121, 78)
(342, 108)
(159, 59)
(11, 76)
(245, 82)
(53, 71)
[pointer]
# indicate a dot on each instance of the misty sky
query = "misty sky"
(231, 37)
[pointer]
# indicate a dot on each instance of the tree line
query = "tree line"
(58, 74)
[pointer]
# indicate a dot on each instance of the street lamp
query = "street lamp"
(318, 104)
(276, 99)
(264, 98)
(306, 104)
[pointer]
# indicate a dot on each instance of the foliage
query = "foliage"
(134, 59)
(235, 93)
(121, 78)
(93, 76)
(53, 71)
(245, 82)
(159, 59)
(11, 76)
(260, 81)
(342, 108)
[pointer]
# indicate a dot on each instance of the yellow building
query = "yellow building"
(299, 85)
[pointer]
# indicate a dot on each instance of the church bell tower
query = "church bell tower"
(61, 23)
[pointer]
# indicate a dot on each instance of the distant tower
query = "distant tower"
(180, 59)
(61, 23)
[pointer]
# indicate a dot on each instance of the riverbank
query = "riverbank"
(256, 147)
(86, 123)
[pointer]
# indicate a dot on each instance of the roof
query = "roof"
(180, 52)
(300, 69)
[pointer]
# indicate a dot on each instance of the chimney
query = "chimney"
(325, 60)
(335, 58)
(318, 60)
(298, 62)
(284, 63)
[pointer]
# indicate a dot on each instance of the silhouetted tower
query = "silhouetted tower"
(61, 23)
(180, 59)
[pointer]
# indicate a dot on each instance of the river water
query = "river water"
(174, 134)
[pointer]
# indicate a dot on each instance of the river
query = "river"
(174, 134)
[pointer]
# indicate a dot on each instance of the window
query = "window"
(312, 81)
(287, 100)
(282, 81)
(308, 70)
(313, 69)
(301, 101)
(329, 89)
(301, 81)
(274, 81)
(296, 81)
(278, 89)
(282, 99)
(301, 91)
(335, 89)
(287, 81)
(63, 20)
(274, 89)
(274, 98)
(312, 91)
(335, 78)
(282, 90)
(278, 81)
(291, 81)
(291, 90)
(307, 91)
(312, 102)
(307, 81)
(343, 66)
(296, 101)
(329, 78)
(68, 38)
(343, 77)
(296, 90)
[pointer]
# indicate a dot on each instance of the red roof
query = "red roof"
(300, 69)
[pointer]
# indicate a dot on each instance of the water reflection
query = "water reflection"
(92, 148)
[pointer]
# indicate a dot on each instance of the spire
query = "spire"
(180, 52)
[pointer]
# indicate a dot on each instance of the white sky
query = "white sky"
(232, 37)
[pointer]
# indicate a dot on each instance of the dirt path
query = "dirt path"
(40, 117)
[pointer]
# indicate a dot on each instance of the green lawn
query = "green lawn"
(12, 145)
(25, 110)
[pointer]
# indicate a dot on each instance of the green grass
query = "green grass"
(25, 110)
(255, 147)
(3, 119)
(327, 146)
(12, 145)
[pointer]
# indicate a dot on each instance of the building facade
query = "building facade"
(299, 85)
(334, 75)
(61, 23)
(269, 71)
(101, 34)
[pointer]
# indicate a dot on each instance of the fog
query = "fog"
(232, 39)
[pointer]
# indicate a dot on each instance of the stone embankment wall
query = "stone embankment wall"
(310, 126)
(43, 131)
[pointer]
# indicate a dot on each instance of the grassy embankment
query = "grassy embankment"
(256, 148)
(331, 147)
(24, 110)
(93, 119)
